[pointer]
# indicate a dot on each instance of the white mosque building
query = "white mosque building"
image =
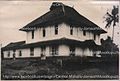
(62, 31)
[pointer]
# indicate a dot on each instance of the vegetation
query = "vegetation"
(112, 18)
(109, 48)
(90, 66)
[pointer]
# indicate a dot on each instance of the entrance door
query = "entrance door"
(43, 49)
(72, 51)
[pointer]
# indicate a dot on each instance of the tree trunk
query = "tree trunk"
(113, 34)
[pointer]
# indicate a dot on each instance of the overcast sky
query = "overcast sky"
(16, 14)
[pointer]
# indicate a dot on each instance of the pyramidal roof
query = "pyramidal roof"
(60, 13)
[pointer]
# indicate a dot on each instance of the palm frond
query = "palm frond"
(114, 11)
(112, 17)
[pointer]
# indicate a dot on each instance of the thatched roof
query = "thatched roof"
(62, 14)
(70, 42)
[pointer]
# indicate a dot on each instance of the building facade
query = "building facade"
(62, 31)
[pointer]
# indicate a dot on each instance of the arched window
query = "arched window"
(14, 54)
(32, 34)
(44, 32)
(56, 29)
(71, 30)
(8, 54)
(94, 36)
(20, 53)
(84, 32)
(31, 51)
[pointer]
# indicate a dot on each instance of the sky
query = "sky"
(16, 14)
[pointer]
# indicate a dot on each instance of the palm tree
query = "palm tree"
(112, 18)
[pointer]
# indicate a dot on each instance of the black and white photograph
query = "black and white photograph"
(59, 39)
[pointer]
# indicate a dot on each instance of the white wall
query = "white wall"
(63, 50)
(85, 52)
(63, 31)
(5, 54)
(25, 53)
(79, 51)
